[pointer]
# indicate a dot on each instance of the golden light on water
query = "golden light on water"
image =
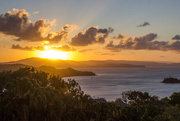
(54, 54)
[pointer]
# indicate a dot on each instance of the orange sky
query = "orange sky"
(90, 30)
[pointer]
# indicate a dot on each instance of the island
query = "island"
(171, 80)
(65, 72)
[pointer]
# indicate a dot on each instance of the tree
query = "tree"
(175, 98)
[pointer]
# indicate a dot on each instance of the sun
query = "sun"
(54, 54)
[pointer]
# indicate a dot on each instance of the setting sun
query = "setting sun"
(53, 54)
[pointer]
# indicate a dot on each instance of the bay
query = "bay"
(111, 82)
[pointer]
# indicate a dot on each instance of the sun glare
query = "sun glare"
(54, 54)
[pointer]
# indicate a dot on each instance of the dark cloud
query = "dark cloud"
(176, 37)
(109, 30)
(92, 35)
(119, 36)
(144, 24)
(41, 48)
(27, 48)
(85, 50)
(64, 48)
(55, 37)
(16, 23)
(146, 42)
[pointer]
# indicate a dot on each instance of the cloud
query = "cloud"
(42, 48)
(16, 23)
(27, 48)
(119, 36)
(91, 35)
(85, 50)
(146, 42)
(63, 48)
(36, 12)
(67, 27)
(176, 37)
(144, 24)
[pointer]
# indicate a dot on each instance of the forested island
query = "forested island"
(29, 94)
(171, 80)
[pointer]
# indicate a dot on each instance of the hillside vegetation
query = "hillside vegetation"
(32, 95)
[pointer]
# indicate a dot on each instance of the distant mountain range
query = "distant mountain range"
(37, 62)
(64, 68)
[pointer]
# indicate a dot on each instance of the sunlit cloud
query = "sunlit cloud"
(91, 35)
(17, 23)
(63, 48)
(146, 42)
(27, 48)
(42, 48)
(70, 27)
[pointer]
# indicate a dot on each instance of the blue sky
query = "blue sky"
(122, 15)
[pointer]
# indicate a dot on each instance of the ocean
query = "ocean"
(111, 82)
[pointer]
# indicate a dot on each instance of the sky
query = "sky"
(141, 30)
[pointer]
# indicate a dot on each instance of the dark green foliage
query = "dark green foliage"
(140, 98)
(171, 113)
(31, 95)
(175, 98)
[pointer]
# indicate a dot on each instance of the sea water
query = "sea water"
(111, 82)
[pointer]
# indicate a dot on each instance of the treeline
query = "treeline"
(31, 95)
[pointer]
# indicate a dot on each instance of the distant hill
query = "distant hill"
(65, 72)
(12, 67)
(49, 69)
(79, 64)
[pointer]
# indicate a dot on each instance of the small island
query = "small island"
(171, 80)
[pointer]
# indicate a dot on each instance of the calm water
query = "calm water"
(110, 83)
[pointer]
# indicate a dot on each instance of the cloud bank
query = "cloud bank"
(91, 35)
(16, 23)
(27, 48)
(41, 48)
(146, 42)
